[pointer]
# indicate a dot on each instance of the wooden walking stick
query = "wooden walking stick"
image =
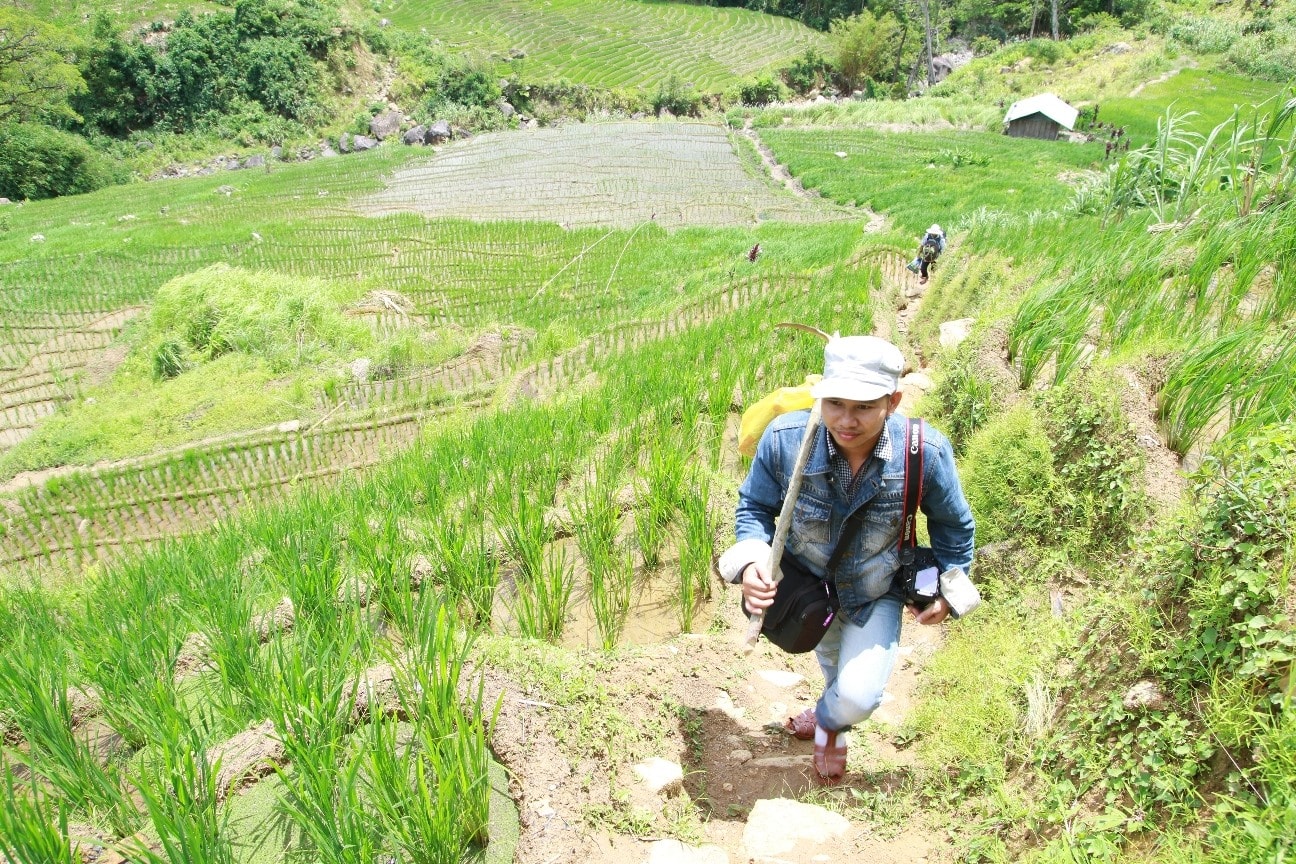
(785, 521)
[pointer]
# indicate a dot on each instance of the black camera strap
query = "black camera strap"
(913, 480)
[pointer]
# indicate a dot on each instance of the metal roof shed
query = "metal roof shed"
(1041, 116)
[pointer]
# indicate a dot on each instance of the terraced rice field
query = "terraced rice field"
(615, 43)
(605, 175)
(535, 306)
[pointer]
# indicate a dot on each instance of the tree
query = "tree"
(37, 72)
(862, 43)
(925, 5)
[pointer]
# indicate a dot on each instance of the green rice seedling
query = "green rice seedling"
(180, 794)
(431, 793)
(33, 825)
(523, 532)
(307, 686)
(650, 536)
(1050, 322)
(597, 525)
(34, 686)
(239, 661)
(471, 567)
(305, 683)
(660, 500)
(377, 548)
(543, 597)
(306, 560)
(1202, 385)
(695, 553)
(324, 798)
(130, 663)
(412, 801)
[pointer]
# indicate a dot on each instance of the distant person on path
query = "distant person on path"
(930, 248)
(857, 464)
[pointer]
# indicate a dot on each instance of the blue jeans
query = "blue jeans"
(856, 660)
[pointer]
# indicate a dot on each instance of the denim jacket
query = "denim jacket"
(866, 570)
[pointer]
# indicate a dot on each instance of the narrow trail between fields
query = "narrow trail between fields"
(753, 781)
(779, 173)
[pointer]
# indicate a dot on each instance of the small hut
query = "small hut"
(1041, 116)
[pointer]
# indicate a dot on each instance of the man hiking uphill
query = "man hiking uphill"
(929, 249)
(855, 473)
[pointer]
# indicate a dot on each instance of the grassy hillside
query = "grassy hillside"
(1211, 96)
(613, 43)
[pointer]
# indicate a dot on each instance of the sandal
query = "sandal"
(802, 726)
(830, 754)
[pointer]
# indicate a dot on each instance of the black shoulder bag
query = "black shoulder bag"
(805, 605)
(919, 571)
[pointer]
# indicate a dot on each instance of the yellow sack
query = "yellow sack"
(760, 415)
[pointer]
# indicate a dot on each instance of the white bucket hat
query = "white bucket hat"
(935, 229)
(859, 368)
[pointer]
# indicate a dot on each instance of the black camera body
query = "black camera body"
(919, 576)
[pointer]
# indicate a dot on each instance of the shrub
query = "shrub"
(1231, 563)
(280, 75)
(762, 91)
(964, 399)
(1252, 57)
(1096, 457)
(37, 161)
(467, 82)
(678, 97)
(219, 310)
(1046, 51)
(1208, 35)
(808, 72)
(168, 359)
(1009, 479)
